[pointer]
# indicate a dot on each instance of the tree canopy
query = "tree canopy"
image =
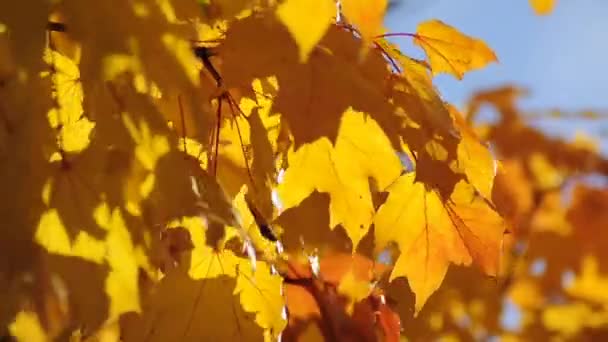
(255, 170)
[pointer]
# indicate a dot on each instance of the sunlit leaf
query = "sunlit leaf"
(307, 22)
(367, 16)
(343, 172)
(450, 51)
(432, 234)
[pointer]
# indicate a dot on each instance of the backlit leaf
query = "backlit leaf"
(261, 292)
(432, 234)
(343, 172)
(474, 158)
(307, 22)
(450, 51)
(367, 16)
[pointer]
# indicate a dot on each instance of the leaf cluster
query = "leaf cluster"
(229, 170)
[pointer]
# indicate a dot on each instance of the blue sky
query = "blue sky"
(561, 58)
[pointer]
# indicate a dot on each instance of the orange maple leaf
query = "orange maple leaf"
(432, 233)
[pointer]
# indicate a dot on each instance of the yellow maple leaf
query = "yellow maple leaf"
(367, 16)
(543, 7)
(205, 262)
(474, 159)
(261, 292)
(311, 97)
(432, 233)
(416, 94)
(186, 309)
(73, 129)
(450, 51)
(343, 171)
(307, 21)
(53, 236)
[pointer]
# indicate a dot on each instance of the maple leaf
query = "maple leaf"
(367, 16)
(450, 51)
(179, 310)
(261, 292)
(313, 96)
(314, 232)
(343, 172)
(73, 128)
(474, 158)
(413, 90)
(258, 290)
(307, 22)
(431, 234)
(162, 44)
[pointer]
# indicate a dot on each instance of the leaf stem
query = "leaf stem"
(397, 34)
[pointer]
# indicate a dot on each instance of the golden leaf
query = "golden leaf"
(474, 158)
(431, 234)
(343, 172)
(367, 16)
(450, 51)
(307, 22)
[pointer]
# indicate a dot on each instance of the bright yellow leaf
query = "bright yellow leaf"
(52, 235)
(73, 129)
(261, 293)
(65, 76)
(366, 15)
(450, 51)
(307, 21)
(343, 172)
(205, 263)
(474, 158)
(75, 136)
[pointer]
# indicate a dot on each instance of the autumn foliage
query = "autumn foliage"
(249, 170)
